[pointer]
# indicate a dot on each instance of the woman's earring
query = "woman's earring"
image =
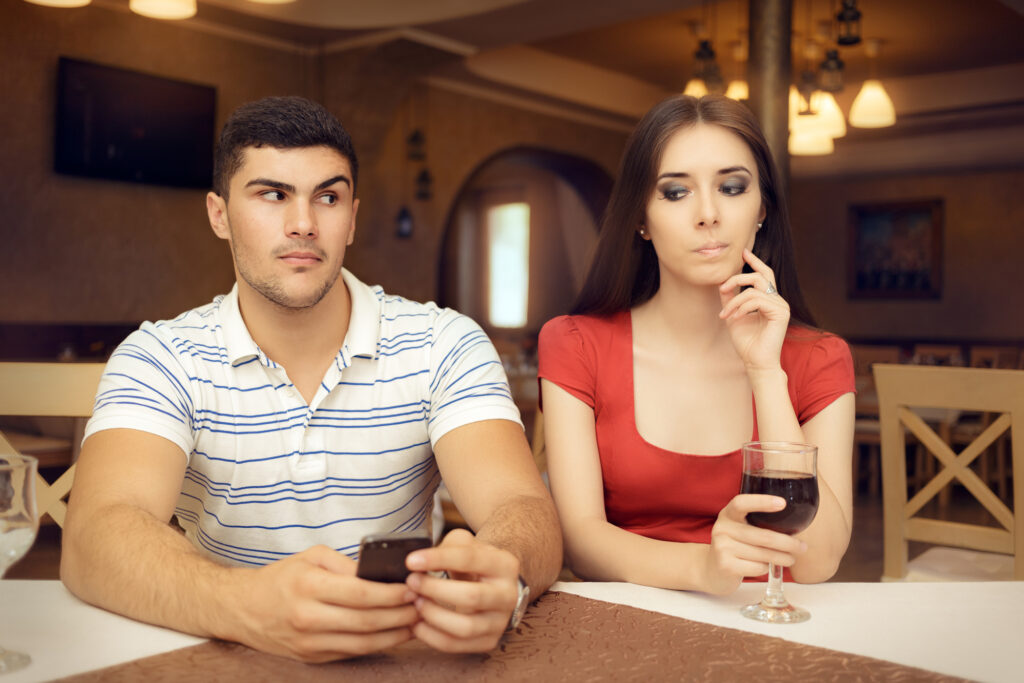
(643, 233)
(759, 224)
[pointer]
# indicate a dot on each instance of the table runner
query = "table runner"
(563, 637)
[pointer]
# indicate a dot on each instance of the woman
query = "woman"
(676, 354)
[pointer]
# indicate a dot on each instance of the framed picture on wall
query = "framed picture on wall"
(895, 250)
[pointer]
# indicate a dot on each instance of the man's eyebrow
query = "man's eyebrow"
(336, 179)
(267, 182)
(287, 187)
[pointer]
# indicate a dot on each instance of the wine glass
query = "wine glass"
(18, 525)
(787, 470)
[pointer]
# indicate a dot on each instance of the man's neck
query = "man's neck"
(304, 341)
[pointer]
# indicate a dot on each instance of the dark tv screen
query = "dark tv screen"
(124, 125)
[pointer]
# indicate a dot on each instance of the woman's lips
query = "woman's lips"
(711, 249)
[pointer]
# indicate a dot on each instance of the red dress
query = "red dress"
(650, 490)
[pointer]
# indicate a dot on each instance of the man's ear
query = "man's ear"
(217, 211)
(352, 223)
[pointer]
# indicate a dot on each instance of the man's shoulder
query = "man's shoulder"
(199, 326)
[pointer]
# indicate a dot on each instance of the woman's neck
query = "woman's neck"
(685, 314)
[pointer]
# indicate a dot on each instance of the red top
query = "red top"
(650, 490)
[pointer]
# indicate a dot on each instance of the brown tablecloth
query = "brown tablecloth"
(563, 638)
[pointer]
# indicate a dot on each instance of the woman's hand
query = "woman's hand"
(757, 316)
(739, 550)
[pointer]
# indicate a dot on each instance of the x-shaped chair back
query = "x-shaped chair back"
(50, 390)
(901, 388)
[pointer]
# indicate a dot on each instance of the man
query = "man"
(284, 421)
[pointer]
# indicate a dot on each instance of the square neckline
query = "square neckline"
(632, 405)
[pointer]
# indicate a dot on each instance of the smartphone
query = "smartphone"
(382, 556)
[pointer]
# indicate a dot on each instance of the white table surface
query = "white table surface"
(972, 630)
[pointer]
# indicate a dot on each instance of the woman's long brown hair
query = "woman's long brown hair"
(624, 270)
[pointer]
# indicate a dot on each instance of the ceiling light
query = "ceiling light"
(872, 107)
(738, 90)
(272, 2)
(60, 3)
(830, 116)
(849, 23)
(830, 72)
(810, 144)
(164, 9)
(696, 87)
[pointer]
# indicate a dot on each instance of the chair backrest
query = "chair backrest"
(939, 354)
(52, 390)
(901, 388)
(1002, 357)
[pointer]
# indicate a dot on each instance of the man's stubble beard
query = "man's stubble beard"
(272, 291)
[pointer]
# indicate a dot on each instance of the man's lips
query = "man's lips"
(300, 258)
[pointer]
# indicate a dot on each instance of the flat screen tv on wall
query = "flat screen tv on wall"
(125, 125)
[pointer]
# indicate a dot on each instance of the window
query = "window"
(508, 264)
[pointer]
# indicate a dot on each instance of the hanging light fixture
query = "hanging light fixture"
(830, 72)
(272, 2)
(872, 108)
(849, 23)
(164, 9)
(60, 3)
(738, 88)
(810, 144)
(696, 87)
(829, 114)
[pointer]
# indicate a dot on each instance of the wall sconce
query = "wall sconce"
(849, 23)
(424, 185)
(415, 146)
(403, 224)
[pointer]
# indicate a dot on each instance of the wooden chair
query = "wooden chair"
(866, 428)
(48, 389)
(903, 387)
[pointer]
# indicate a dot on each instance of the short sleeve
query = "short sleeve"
(825, 375)
(562, 358)
(144, 387)
(467, 380)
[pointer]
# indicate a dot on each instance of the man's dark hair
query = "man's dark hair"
(280, 122)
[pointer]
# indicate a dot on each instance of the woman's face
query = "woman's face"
(705, 206)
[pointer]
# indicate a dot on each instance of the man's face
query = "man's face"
(289, 216)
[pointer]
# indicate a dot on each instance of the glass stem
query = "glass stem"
(773, 596)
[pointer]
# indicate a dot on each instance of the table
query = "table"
(579, 631)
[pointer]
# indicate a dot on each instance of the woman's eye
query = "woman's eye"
(732, 189)
(674, 192)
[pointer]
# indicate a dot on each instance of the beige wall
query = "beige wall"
(87, 250)
(983, 244)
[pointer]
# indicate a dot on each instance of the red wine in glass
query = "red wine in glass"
(799, 489)
(789, 471)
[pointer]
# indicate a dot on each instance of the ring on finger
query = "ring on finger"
(771, 289)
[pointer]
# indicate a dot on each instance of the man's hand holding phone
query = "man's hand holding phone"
(470, 610)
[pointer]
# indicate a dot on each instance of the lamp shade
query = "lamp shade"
(810, 143)
(60, 3)
(872, 107)
(738, 90)
(830, 116)
(797, 104)
(272, 2)
(164, 9)
(696, 87)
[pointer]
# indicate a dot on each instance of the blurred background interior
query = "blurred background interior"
(489, 132)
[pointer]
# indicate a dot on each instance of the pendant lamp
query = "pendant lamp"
(164, 9)
(60, 3)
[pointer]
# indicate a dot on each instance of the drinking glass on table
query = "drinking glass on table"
(789, 471)
(18, 525)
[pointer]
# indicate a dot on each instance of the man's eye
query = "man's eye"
(328, 199)
(274, 195)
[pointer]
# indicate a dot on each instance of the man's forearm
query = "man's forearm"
(527, 527)
(123, 559)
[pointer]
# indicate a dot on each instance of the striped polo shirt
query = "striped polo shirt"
(268, 475)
